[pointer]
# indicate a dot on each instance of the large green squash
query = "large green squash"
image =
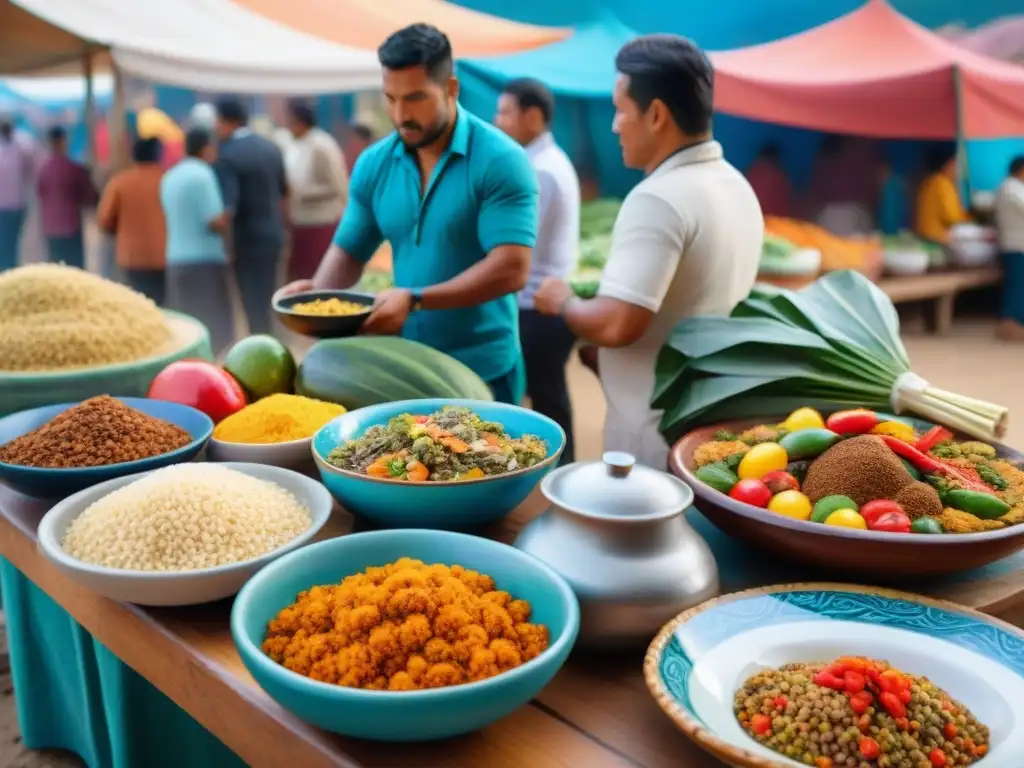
(366, 370)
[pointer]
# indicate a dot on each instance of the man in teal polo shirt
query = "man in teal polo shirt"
(457, 200)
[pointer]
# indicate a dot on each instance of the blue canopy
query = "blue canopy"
(580, 71)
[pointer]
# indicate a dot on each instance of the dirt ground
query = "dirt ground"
(969, 361)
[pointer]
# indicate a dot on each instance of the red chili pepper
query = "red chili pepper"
(869, 748)
(760, 724)
(854, 681)
(781, 702)
(827, 680)
(855, 422)
(933, 437)
(860, 702)
(864, 723)
(905, 696)
(937, 757)
(892, 704)
(836, 668)
(949, 730)
(921, 461)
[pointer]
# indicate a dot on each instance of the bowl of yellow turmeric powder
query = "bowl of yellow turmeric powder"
(324, 314)
(277, 430)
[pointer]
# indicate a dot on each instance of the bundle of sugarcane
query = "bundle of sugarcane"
(832, 345)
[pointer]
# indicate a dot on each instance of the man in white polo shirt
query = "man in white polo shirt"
(525, 109)
(687, 240)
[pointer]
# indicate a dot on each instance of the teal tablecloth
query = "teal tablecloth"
(74, 694)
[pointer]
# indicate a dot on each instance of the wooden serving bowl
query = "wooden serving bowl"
(842, 550)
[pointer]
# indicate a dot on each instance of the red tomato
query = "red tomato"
(779, 481)
(856, 422)
(875, 509)
(751, 492)
(891, 522)
(854, 682)
(200, 384)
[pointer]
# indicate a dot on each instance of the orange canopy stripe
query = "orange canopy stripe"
(367, 23)
(872, 72)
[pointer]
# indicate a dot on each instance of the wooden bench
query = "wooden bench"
(940, 288)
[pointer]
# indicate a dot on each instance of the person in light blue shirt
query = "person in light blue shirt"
(198, 273)
(457, 199)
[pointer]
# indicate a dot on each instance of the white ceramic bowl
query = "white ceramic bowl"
(294, 454)
(699, 660)
(166, 588)
(910, 261)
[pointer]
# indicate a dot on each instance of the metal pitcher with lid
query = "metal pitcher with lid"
(617, 532)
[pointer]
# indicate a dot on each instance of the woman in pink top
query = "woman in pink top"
(65, 189)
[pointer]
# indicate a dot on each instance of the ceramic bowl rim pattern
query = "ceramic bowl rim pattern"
(433, 404)
(679, 464)
(305, 685)
(726, 750)
(171, 457)
(54, 552)
(111, 368)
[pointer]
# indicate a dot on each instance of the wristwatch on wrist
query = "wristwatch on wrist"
(415, 300)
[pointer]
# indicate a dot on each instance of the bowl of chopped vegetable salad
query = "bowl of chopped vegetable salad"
(857, 491)
(435, 463)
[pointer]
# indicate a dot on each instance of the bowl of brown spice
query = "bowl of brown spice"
(57, 450)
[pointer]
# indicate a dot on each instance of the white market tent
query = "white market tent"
(206, 45)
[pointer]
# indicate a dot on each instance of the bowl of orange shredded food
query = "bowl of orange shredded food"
(404, 635)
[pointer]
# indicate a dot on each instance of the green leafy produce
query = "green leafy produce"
(831, 346)
(594, 251)
(367, 370)
(718, 476)
(585, 282)
(375, 281)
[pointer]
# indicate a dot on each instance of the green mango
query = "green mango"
(808, 443)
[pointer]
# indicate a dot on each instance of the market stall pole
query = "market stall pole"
(597, 711)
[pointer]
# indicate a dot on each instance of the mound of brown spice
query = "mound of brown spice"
(862, 468)
(96, 432)
(919, 500)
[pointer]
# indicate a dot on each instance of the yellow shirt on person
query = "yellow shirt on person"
(938, 208)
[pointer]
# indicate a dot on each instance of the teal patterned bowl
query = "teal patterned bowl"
(701, 658)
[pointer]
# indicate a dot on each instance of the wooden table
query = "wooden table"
(595, 713)
(941, 288)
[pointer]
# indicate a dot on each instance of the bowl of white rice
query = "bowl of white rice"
(185, 534)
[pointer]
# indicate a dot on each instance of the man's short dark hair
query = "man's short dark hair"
(530, 93)
(57, 134)
(364, 132)
(418, 45)
(231, 110)
(303, 111)
(147, 150)
(674, 70)
(196, 140)
(1017, 165)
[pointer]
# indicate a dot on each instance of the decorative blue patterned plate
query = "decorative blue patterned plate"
(699, 659)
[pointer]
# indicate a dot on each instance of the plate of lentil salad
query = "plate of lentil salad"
(60, 449)
(858, 491)
(453, 444)
(711, 670)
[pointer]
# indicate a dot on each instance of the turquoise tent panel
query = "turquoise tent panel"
(580, 71)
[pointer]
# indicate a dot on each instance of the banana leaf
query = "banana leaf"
(701, 336)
